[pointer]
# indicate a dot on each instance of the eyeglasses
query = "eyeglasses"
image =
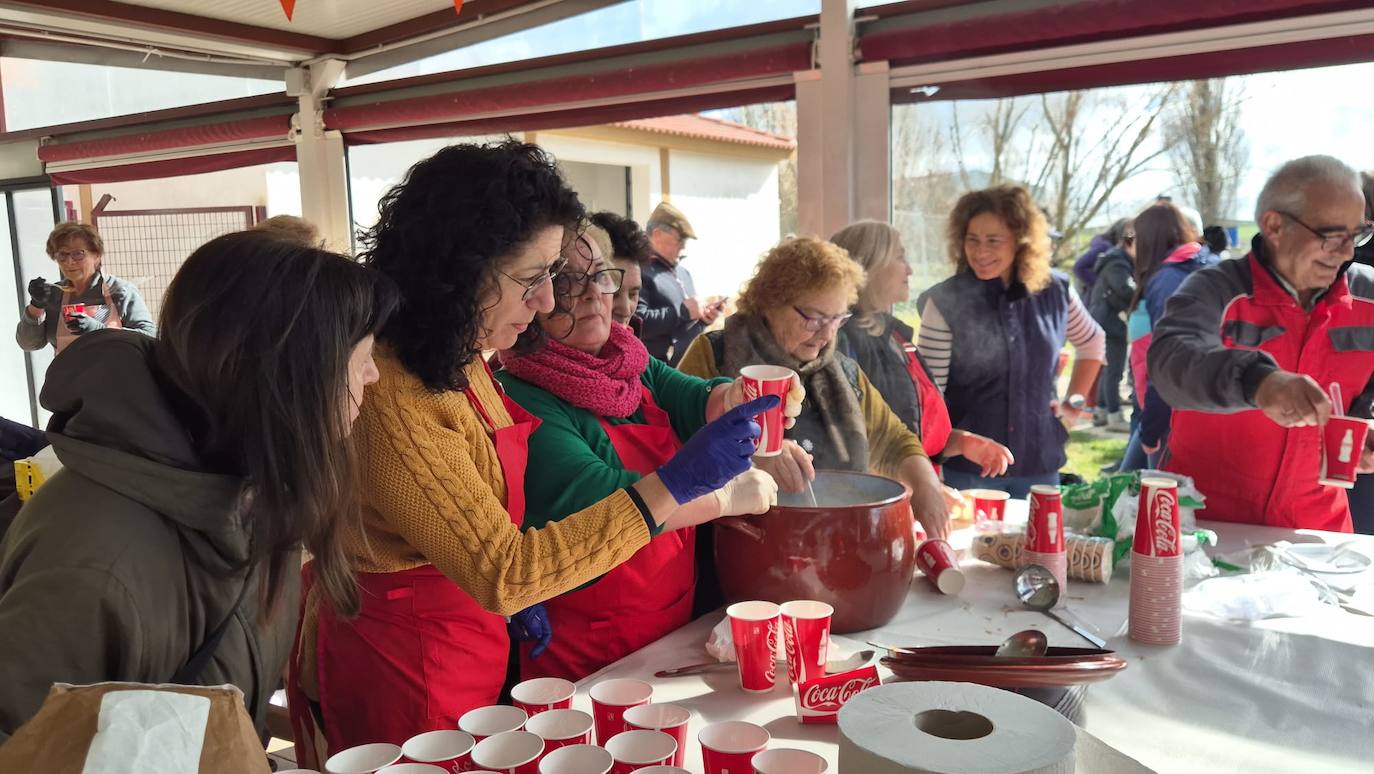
(575, 283)
(1336, 239)
(532, 286)
(69, 255)
(819, 322)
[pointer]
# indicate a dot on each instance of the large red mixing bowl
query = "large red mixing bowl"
(855, 549)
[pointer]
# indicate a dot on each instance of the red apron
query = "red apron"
(639, 601)
(935, 426)
(422, 651)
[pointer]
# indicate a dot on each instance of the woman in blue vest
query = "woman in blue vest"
(992, 334)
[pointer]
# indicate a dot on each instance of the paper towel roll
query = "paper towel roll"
(952, 728)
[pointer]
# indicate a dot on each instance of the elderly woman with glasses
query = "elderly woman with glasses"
(789, 314)
(474, 238)
(87, 300)
(610, 414)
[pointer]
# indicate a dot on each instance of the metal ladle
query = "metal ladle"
(1028, 643)
(1038, 589)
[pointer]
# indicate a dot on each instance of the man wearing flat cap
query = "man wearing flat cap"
(673, 315)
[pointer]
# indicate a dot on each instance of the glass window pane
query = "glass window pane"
(14, 376)
(628, 22)
(33, 222)
(43, 93)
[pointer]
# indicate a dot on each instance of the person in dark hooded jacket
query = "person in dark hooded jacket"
(1111, 297)
(167, 549)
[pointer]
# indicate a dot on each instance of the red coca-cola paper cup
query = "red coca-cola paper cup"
(1157, 525)
(937, 560)
(543, 694)
(806, 638)
(760, 380)
(412, 768)
(819, 700)
(989, 507)
(561, 728)
(668, 718)
(492, 720)
(70, 309)
(512, 752)
(449, 750)
(633, 750)
(365, 759)
(577, 759)
(663, 770)
(754, 627)
(1045, 525)
(730, 747)
(788, 761)
(1342, 442)
(610, 699)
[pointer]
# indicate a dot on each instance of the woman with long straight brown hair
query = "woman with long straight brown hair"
(195, 467)
(1167, 251)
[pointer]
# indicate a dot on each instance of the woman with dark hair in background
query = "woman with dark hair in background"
(628, 249)
(474, 236)
(194, 468)
(1167, 252)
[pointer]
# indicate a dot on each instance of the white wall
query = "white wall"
(645, 180)
(733, 204)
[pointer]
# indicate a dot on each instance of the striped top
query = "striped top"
(935, 338)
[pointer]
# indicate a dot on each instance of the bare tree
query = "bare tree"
(1074, 149)
(1209, 151)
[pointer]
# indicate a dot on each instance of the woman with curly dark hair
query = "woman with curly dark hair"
(474, 236)
(629, 250)
(992, 335)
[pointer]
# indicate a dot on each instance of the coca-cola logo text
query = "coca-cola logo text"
(827, 697)
(1166, 534)
(789, 639)
(770, 670)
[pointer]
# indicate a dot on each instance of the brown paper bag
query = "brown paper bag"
(132, 727)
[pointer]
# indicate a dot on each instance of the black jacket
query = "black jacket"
(1113, 291)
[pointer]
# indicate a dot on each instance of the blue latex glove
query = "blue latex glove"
(532, 623)
(716, 453)
(80, 323)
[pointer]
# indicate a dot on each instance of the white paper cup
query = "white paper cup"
(561, 727)
(642, 748)
(577, 759)
(543, 694)
(508, 751)
(490, 721)
(443, 748)
(363, 759)
(787, 761)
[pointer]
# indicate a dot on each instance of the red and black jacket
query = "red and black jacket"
(1228, 327)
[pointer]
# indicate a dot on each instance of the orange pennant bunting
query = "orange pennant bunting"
(457, 6)
(289, 6)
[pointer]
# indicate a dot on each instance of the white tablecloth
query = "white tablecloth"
(1280, 695)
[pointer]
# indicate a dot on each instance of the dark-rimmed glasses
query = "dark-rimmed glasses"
(818, 322)
(532, 286)
(1334, 239)
(575, 283)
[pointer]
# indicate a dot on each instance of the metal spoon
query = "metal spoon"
(1027, 643)
(1038, 589)
(833, 667)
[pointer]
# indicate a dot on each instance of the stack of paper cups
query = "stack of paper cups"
(1156, 616)
(1045, 534)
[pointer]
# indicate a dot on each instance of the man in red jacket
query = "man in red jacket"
(1246, 351)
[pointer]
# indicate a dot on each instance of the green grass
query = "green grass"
(1088, 453)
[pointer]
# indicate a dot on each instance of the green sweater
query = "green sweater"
(572, 463)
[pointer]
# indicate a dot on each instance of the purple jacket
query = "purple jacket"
(1085, 268)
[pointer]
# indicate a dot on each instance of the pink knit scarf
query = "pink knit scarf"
(606, 384)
